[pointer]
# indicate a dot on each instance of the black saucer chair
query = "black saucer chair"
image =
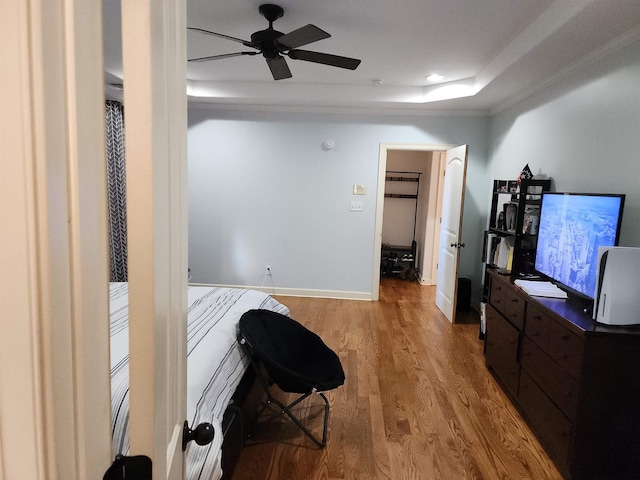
(295, 359)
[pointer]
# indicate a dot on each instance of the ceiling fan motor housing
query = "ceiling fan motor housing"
(264, 40)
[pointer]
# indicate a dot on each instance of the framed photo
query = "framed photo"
(531, 220)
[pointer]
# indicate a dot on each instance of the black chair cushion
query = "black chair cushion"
(296, 358)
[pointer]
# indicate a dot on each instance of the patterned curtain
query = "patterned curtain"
(117, 189)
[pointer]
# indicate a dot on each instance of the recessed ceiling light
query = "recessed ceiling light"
(435, 77)
(377, 82)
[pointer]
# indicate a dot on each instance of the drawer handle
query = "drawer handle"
(514, 300)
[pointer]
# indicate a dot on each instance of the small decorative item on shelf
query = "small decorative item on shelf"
(510, 215)
(526, 174)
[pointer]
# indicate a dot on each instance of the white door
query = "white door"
(154, 68)
(451, 230)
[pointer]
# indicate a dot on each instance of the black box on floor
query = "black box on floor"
(464, 294)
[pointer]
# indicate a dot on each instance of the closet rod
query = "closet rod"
(399, 195)
(402, 179)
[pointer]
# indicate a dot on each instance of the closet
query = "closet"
(400, 223)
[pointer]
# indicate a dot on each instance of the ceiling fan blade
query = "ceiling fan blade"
(302, 36)
(325, 59)
(279, 68)
(220, 35)
(224, 55)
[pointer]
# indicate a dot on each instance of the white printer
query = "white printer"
(617, 296)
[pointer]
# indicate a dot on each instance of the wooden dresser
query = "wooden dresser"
(575, 381)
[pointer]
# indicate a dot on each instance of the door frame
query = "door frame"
(54, 352)
(382, 169)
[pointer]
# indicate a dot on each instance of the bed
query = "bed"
(215, 365)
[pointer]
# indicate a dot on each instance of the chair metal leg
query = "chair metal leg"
(286, 409)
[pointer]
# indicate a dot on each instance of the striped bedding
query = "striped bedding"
(215, 365)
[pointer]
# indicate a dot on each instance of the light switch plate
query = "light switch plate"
(357, 206)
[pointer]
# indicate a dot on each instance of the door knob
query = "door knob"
(202, 434)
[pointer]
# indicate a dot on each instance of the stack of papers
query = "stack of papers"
(540, 289)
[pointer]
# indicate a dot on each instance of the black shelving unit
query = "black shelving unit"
(514, 217)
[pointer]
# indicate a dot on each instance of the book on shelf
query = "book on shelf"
(510, 258)
(491, 241)
(537, 288)
(503, 252)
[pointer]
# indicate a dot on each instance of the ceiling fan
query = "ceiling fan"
(273, 45)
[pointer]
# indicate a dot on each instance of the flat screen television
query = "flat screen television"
(572, 227)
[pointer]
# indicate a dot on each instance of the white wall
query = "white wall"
(262, 190)
(583, 132)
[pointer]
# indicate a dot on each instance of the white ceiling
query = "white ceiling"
(492, 52)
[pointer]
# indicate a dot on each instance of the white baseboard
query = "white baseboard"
(299, 292)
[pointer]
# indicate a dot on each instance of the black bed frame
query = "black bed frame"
(238, 420)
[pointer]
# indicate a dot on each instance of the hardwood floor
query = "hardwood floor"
(418, 401)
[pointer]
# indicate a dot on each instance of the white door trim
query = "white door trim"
(382, 168)
(54, 358)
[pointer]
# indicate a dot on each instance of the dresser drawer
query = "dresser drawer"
(501, 332)
(497, 295)
(546, 419)
(514, 307)
(501, 349)
(561, 388)
(536, 326)
(566, 348)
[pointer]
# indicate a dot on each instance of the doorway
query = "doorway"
(429, 161)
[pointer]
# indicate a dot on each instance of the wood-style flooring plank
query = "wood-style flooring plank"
(418, 402)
